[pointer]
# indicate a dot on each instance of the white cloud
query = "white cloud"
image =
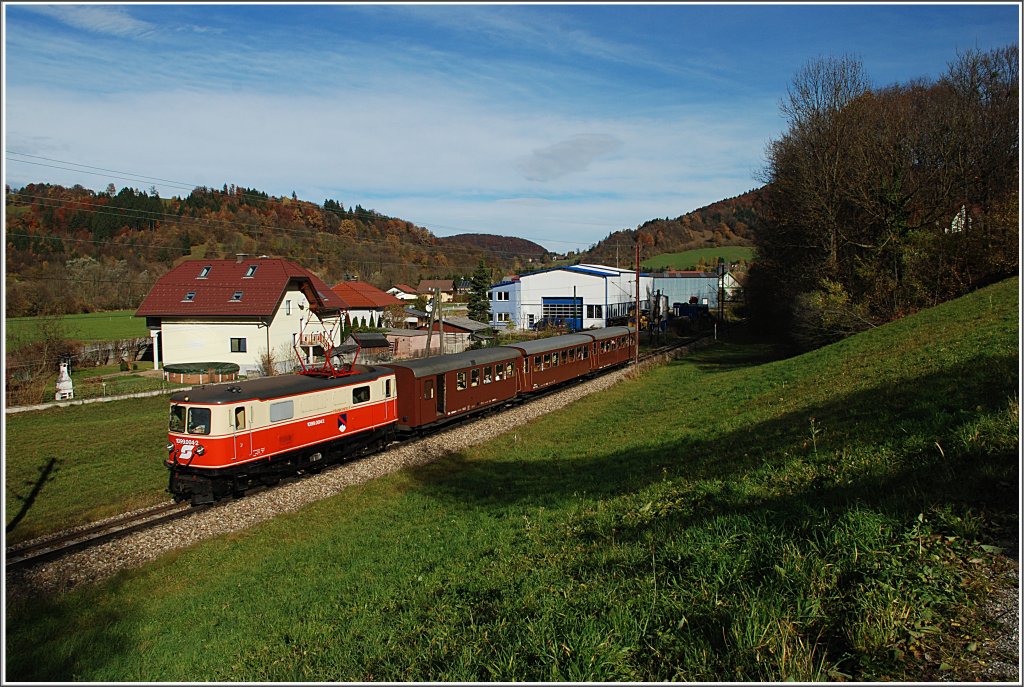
(104, 20)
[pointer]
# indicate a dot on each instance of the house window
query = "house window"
(530, 319)
(237, 296)
(287, 307)
(490, 295)
(189, 297)
(250, 272)
(502, 295)
(594, 312)
(238, 345)
(502, 317)
(205, 272)
(361, 394)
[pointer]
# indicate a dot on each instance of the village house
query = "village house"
(403, 292)
(240, 311)
(447, 288)
(364, 302)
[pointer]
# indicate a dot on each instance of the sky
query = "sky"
(555, 123)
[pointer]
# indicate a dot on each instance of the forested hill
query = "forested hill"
(499, 245)
(76, 250)
(729, 222)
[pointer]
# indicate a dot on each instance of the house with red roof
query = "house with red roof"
(237, 311)
(403, 292)
(364, 302)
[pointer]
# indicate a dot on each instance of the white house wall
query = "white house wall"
(614, 292)
(200, 339)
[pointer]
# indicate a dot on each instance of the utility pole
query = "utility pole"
(636, 355)
(440, 320)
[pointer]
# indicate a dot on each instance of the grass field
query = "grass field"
(687, 260)
(98, 326)
(727, 517)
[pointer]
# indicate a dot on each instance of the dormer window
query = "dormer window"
(236, 297)
(189, 297)
(205, 273)
(250, 272)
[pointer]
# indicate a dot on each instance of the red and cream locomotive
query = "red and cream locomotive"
(226, 438)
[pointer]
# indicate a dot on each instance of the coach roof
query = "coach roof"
(424, 367)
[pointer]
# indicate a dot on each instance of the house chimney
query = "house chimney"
(239, 257)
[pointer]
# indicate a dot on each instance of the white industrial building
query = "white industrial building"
(575, 296)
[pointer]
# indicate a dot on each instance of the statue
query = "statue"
(65, 389)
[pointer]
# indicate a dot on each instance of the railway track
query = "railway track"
(67, 542)
(57, 546)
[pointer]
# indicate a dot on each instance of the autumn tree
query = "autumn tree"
(864, 189)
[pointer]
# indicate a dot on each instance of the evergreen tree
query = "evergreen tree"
(478, 304)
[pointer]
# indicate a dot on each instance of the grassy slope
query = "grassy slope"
(107, 460)
(689, 259)
(98, 326)
(724, 517)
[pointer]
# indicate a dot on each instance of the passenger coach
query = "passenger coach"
(554, 360)
(435, 390)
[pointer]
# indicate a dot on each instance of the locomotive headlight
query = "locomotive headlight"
(170, 447)
(200, 450)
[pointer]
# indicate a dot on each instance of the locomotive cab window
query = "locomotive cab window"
(177, 419)
(199, 421)
(240, 417)
(361, 394)
(387, 388)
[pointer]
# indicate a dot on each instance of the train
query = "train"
(225, 439)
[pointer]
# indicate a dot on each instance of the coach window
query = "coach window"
(536, 363)
(499, 372)
(510, 370)
(460, 381)
(428, 389)
(488, 377)
(361, 394)
(240, 417)
(199, 421)
(554, 359)
(572, 354)
(474, 377)
(565, 356)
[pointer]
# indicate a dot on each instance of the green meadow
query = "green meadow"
(97, 326)
(687, 260)
(730, 516)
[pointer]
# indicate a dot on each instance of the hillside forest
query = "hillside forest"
(882, 201)
(74, 250)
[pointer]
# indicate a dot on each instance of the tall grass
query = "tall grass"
(725, 517)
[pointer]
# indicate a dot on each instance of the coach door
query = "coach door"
(242, 423)
(440, 394)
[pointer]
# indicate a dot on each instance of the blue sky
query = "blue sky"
(557, 123)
